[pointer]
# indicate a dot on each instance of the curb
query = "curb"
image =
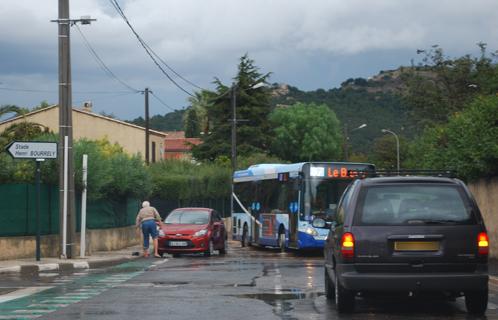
(65, 266)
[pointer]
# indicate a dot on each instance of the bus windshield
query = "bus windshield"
(322, 197)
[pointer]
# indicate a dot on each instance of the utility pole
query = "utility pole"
(233, 103)
(66, 165)
(65, 130)
(146, 93)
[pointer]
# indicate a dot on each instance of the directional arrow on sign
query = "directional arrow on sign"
(32, 150)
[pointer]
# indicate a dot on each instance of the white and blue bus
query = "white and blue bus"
(277, 205)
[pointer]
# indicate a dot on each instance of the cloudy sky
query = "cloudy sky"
(308, 44)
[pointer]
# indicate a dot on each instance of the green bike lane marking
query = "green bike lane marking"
(41, 303)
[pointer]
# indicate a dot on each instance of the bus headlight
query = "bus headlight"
(311, 231)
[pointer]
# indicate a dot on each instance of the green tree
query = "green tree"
(252, 105)
(384, 153)
(169, 122)
(200, 102)
(442, 86)
(306, 132)
(466, 144)
(191, 123)
(20, 131)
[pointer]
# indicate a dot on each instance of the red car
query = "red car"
(192, 230)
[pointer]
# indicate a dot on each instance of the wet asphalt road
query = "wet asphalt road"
(247, 283)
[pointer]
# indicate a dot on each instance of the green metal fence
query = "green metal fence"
(18, 211)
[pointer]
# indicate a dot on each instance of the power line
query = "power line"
(55, 91)
(171, 108)
(26, 90)
(126, 93)
(172, 70)
(161, 101)
(101, 63)
(147, 49)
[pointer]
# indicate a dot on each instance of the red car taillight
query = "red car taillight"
(347, 245)
(483, 244)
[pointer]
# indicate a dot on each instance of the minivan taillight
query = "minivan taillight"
(347, 245)
(483, 244)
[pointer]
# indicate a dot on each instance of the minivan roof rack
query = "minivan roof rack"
(415, 172)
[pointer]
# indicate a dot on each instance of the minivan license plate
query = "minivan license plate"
(416, 245)
(178, 244)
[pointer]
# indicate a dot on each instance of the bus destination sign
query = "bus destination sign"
(336, 172)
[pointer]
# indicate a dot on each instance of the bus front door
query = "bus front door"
(293, 223)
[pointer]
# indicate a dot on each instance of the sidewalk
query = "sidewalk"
(97, 259)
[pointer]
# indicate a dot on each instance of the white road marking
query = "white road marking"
(21, 293)
(38, 305)
(278, 281)
(31, 311)
(492, 306)
(24, 316)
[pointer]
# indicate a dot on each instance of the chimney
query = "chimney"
(87, 106)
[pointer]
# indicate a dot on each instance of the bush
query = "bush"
(183, 180)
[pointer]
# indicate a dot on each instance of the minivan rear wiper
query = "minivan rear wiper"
(432, 221)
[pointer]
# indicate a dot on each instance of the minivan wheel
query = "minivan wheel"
(344, 299)
(476, 301)
(329, 287)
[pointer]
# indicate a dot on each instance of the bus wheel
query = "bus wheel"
(244, 240)
(281, 241)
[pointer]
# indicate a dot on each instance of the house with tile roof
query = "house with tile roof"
(89, 125)
(176, 146)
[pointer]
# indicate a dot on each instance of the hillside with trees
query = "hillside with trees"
(168, 122)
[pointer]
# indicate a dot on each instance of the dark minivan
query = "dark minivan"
(413, 235)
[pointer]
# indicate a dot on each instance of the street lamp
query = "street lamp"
(346, 138)
(397, 144)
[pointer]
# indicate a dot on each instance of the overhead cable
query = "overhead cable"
(55, 91)
(101, 63)
(146, 47)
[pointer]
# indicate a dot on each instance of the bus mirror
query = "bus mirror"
(331, 211)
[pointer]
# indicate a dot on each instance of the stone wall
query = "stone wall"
(485, 192)
(97, 240)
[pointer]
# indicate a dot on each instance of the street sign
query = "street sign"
(32, 150)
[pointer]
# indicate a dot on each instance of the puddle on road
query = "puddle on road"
(284, 295)
(281, 301)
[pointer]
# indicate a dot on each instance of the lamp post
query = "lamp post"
(397, 145)
(346, 138)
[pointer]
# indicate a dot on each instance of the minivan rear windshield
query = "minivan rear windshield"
(412, 204)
